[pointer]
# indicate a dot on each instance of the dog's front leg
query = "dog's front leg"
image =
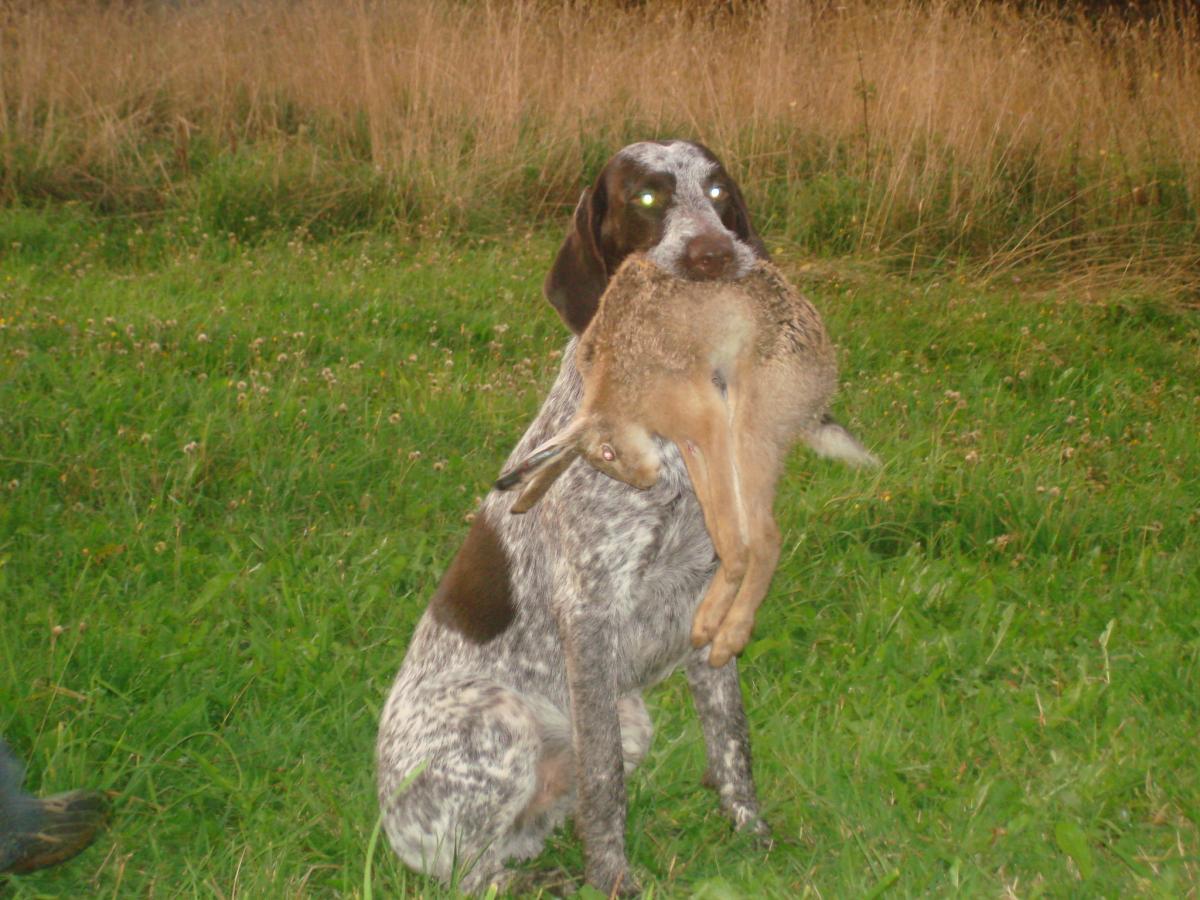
(596, 733)
(717, 694)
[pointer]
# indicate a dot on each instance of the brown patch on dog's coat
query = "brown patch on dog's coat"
(475, 595)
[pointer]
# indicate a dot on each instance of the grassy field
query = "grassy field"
(918, 131)
(231, 475)
(274, 330)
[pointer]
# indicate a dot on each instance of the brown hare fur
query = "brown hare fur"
(734, 373)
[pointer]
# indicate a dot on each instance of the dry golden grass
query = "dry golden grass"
(898, 126)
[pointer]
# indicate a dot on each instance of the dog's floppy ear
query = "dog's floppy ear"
(737, 220)
(579, 274)
(541, 468)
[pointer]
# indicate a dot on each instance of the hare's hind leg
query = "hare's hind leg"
(706, 443)
(758, 467)
(693, 415)
(729, 585)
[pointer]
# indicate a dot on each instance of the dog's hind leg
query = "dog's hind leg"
(496, 779)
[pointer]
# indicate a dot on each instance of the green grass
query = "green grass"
(230, 477)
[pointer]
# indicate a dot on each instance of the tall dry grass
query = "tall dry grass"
(922, 129)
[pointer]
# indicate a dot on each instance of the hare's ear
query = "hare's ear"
(540, 469)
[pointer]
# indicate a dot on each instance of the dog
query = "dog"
(519, 699)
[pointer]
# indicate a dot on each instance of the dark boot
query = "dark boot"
(67, 824)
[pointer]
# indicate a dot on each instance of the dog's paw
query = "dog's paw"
(614, 882)
(758, 831)
(556, 882)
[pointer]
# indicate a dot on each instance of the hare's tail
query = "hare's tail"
(831, 440)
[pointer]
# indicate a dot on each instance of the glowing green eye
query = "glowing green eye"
(647, 198)
(715, 192)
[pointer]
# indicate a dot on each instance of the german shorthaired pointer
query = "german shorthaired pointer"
(521, 691)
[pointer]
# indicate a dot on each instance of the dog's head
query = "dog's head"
(671, 199)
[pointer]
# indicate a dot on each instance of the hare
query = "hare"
(733, 373)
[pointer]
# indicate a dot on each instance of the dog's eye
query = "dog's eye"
(716, 192)
(647, 199)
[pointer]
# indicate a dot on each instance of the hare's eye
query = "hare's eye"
(647, 199)
(716, 192)
(608, 452)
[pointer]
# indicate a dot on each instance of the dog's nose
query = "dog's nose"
(708, 255)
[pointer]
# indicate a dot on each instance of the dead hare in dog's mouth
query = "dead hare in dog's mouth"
(732, 373)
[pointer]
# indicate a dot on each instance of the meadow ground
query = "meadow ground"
(230, 477)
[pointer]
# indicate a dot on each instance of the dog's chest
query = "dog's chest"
(652, 618)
